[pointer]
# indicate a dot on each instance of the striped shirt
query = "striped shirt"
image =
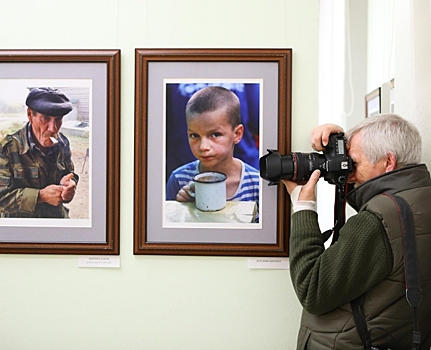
(248, 189)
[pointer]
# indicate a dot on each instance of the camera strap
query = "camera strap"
(411, 272)
(339, 213)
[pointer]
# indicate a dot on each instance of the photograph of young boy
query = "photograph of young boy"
(214, 128)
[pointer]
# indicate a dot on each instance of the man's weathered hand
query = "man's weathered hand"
(69, 187)
(51, 194)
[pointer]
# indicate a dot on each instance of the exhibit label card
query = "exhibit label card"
(268, 263)
(98, 261)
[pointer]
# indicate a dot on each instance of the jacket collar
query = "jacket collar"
(405, 178)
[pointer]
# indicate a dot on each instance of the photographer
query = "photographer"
(367, 259)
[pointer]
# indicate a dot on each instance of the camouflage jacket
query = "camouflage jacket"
(24, 170)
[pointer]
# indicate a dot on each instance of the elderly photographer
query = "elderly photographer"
(36, 170)
(367, 259)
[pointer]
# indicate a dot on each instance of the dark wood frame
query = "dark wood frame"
(371, 96)
(143, 57)
(112, 60)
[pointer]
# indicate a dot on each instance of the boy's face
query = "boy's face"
(211, 137)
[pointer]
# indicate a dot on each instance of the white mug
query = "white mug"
(209, 191)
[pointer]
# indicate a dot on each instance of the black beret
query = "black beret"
(48, 101)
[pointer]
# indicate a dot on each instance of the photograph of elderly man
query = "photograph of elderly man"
(37, 176)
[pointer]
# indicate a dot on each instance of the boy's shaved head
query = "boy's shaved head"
(212, 98)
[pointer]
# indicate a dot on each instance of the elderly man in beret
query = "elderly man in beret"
(36, 170)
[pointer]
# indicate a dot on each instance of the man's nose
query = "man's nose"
(52, 125)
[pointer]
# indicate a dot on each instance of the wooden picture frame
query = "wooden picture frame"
(91, 81)
(373, 102)
(156, 71)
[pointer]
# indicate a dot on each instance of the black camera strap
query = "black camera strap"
(411, 272)
(339, 212)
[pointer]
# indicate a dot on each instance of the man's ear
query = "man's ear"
(391, 162)
(29, 114)
(238, 131)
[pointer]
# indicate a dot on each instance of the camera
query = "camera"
(334, 164)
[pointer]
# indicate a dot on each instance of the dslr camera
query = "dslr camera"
(334, 164)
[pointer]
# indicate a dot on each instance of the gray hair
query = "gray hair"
(389, 133)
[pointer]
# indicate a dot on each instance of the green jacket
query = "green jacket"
(366, 259)
(24, 170)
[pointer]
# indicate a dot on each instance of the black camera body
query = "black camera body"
(334, 164)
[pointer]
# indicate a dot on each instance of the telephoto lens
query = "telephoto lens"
(296, 167)
(334, 164)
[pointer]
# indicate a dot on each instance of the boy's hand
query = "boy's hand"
(186, 193)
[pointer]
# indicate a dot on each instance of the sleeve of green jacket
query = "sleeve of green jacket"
(326, 279)
(14, 199)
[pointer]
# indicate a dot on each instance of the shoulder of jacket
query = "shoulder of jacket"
(6, 140)
(378, 200)
(13, 142)
(382, 205)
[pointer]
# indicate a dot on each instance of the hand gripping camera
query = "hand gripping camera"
(334, 164)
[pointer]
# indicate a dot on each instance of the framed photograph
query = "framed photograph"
(373, 103)
(392, 96)
(59, 151)
(199, 113)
